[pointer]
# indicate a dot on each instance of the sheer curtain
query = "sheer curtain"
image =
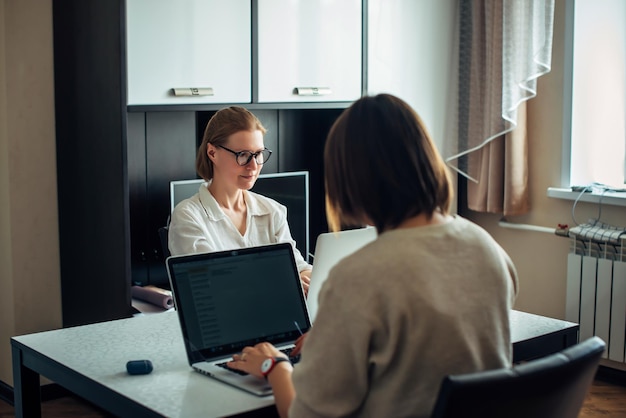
(505, 45)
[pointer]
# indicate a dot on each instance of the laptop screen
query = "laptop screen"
(230, 299)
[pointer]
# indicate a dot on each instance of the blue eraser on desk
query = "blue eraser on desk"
(139, 367)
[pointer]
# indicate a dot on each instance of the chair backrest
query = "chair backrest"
(551, 386)
(163, 237)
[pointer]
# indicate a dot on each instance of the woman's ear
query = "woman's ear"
(210, 152)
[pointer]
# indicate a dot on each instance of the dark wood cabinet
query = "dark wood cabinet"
(161, 148)
(92, 165)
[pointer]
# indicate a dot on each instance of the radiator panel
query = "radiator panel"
(588, 297)
(603, 300)
(596, 285)
(572, 301)
(618, 313)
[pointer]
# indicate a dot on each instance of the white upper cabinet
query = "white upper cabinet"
(309, 50)
(188, 51)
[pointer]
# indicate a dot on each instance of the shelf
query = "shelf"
(606, 198)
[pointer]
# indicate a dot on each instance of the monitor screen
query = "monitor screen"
(290, 189)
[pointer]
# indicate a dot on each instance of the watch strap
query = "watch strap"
(275, 361)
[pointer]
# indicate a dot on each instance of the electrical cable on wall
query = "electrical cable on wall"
(563, 229)
(595, 188)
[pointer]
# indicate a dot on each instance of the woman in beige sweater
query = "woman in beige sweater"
(429, 297)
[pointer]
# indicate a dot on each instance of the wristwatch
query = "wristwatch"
(268, 365)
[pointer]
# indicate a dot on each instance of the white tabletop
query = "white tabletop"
(100, 352)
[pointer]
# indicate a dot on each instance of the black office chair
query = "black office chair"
(549, 387)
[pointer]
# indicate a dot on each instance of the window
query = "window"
(595, 124)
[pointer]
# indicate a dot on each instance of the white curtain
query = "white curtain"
(504, 46)
(526, 52)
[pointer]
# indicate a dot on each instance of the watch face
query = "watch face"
(266, 365)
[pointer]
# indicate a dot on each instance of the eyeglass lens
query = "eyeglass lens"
(260, 157)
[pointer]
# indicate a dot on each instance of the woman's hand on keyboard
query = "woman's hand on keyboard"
(250, 359)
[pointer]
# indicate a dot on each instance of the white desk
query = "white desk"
(91, 361)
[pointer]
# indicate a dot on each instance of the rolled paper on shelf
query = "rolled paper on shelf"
(154, 295)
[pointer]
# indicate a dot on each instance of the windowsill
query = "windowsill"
(607, 198)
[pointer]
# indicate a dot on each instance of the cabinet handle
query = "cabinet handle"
(312, 91)
(193, 91)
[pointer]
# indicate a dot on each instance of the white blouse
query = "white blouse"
(199, 225)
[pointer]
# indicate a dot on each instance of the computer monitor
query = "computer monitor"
(289, 188)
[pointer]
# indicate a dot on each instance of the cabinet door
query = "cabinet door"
(309, 50)
(197, 47)
(161, 148)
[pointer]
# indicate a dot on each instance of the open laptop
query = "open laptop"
(227, 300)
(330, 248)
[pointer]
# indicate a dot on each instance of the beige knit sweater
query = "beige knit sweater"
(400, 314)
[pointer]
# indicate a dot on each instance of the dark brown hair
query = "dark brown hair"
(223, 124)
(381, 166)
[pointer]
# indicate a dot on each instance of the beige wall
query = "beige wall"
(30, 296)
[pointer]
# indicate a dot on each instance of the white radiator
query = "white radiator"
(596, 285)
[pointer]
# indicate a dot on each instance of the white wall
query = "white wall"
(412, 53)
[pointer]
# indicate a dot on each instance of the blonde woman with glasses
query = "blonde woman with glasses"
(225, 214)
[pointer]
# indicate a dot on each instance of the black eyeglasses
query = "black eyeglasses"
(244, 157)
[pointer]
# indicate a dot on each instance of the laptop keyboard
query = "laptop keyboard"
(230, 369)
(287, 351)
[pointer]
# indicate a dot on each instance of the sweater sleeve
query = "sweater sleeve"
(335, 364)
